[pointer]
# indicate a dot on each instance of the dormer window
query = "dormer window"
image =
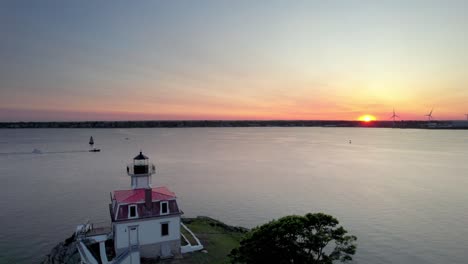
(132, 211)
(164, 208)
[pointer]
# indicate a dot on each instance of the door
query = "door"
(133, 233)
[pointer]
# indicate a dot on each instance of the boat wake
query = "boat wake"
(39, 152)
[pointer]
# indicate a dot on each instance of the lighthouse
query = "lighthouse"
(145, 218)
(145, 223)
(140, 172)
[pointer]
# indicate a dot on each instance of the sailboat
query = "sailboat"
(91, 143)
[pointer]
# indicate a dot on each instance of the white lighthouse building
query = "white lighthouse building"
(145, 217)
(145, 223)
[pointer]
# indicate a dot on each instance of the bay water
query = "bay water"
(403, 193)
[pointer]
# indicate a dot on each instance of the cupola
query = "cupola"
(141, 171)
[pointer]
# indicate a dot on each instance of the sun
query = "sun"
(367, 118)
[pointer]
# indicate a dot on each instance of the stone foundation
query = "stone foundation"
(154, 250)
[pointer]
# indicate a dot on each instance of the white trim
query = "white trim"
(85, 254)
(185, 239)
(161, 208)
(190, 247)
(143, 202)
(148, 218)
(102, 252)
(136, 211)
(116, 214)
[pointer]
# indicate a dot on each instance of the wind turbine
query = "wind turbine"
(394, 116)
(429, 116)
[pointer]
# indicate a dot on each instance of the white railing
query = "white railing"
(93, 229)
(85, 255)
(190, 247)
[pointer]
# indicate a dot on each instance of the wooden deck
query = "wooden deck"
(99, 230)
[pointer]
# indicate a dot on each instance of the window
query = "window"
(164, 208)
(132, 211)
(164, 229)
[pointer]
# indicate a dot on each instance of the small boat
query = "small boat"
(91, 143)
(36, 151)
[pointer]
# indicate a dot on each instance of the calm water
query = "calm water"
(403, 193)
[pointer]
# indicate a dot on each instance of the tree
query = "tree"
(313, 238)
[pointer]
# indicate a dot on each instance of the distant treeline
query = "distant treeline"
(238, 123)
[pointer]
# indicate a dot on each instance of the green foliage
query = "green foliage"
(217, 238)
(313, 238)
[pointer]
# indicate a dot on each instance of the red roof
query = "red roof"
(138, 195)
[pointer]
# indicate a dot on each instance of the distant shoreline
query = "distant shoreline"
(444, 124)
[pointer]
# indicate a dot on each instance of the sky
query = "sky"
(319, 60)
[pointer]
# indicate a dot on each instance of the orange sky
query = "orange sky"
(234, 60)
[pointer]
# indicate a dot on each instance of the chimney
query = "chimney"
(148, 198)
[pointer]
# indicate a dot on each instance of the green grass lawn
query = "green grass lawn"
(188, 236)
(217, 238)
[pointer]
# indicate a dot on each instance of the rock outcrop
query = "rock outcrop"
(64, 252)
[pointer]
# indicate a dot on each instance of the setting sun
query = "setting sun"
(367, 118)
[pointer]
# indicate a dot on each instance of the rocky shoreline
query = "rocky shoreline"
(67, 252)
(64, 252)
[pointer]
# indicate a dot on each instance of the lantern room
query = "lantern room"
(140, 171)
(140, 164)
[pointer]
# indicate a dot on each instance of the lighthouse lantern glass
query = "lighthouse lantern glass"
(141, 162)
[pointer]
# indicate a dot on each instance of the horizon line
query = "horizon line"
(236, 120)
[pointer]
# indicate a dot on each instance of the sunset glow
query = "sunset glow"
(367, 118)
(233, 60)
